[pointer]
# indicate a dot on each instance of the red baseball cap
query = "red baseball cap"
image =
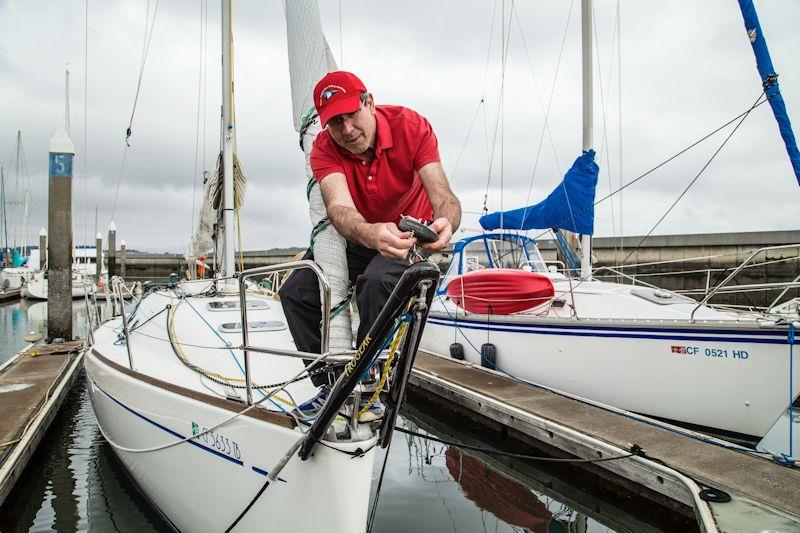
(337, 93)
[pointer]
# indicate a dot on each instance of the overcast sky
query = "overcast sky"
(687, 68)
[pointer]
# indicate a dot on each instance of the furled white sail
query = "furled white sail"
(310, 59)
(211, 208)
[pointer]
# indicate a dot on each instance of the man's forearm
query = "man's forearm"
(351, 225)
(449, 208)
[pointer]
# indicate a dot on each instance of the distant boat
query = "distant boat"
(36, 287)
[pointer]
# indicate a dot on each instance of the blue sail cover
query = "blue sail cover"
(570, 206)
(770, 81)
(17, 260)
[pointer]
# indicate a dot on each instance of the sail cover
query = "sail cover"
(211, 207)
(310, 57)
(770, 80)
(570, 206)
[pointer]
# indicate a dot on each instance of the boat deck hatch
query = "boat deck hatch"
(661, 297)
(252, 327)
(233, 305)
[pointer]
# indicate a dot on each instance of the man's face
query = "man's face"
(355, 131)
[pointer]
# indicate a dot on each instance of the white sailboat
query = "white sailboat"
(194, 388)
(20, 262)
(638, 348)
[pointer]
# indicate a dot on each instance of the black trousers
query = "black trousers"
(374, 277)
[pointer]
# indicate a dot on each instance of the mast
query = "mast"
(15, 213)
(588, 110)
(5, 219)
(66, 104)
(228, 133)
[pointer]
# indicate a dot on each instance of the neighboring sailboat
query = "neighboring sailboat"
(194, 387)
(638, 348)
(19, 265)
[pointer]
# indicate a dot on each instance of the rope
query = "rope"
(392, 351)
(546, 125)
(148, 35)
(691, 183)
(658, 166)
(201, 64)
(212, 375)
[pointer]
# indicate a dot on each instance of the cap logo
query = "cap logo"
(328, 92)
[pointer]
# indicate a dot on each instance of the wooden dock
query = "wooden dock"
(33, 384)
(764, 493)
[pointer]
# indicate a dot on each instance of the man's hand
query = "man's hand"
(390, 241)
(443, 227)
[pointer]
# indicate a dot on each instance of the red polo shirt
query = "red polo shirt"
(390, 185)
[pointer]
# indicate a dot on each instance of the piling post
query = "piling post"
(112, 250)
(42, 248)
(59, 248)
(98, 246)
(122, 254)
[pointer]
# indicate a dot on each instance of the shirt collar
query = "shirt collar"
(385, 139)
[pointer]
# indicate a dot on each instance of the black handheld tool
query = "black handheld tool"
(423, 233)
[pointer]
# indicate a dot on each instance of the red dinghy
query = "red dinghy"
(500, 291)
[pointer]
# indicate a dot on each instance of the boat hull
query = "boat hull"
(36, 288)
(204, 484)
(733, 379)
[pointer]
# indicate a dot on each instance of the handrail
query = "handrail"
(734, 273)
(325, 297)
(622, 274)
(115, 283)
(776, 300)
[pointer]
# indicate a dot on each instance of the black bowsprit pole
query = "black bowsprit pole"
(409, 285)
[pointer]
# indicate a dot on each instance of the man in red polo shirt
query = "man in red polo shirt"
(373, 164)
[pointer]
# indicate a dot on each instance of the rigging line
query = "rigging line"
(489, 50)
(197, 121)
(483, 93)
(85, 122)
(341, 38)
(466, 140)
(546, 125)
(205, 85)
(497, 126)
(604, 107)
(759, 102)
(691, 183)
(145, 49)
(148, 36)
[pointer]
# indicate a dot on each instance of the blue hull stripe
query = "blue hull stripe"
(178, 435)
(622, 333)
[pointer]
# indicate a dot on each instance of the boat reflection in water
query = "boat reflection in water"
(508, 500)
(524, 495)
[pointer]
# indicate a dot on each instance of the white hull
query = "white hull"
(636, 348)
(14, 278)
(204, 484)
(203, 487)
(36, 287)
(632, 366)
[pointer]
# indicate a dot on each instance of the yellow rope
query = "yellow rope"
(392, 350)
(208, 373)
